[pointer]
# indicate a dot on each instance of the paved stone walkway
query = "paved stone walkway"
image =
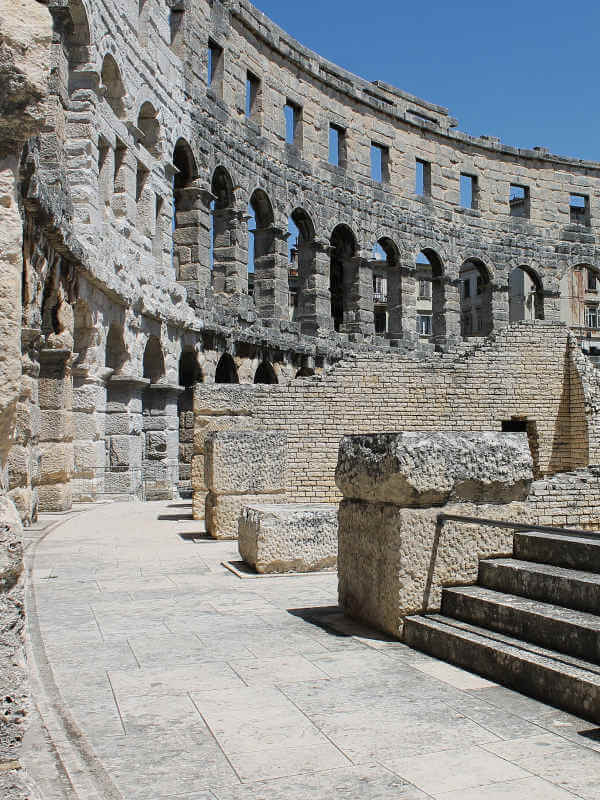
(174, 678)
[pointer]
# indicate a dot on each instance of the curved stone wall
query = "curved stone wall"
(167, 138)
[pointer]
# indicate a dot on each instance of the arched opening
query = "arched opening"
(384, 260)
(265, 373)
(302, 270)
(226, 371)
(112, 84)
(150, 127)
(261, 252)
(476, 317)
(115, 352)
(222, 230)
(76, 35)
(187, 234)
(154, 362)
(431, 296)
(526, 296)
(343, 251)
(189, 375)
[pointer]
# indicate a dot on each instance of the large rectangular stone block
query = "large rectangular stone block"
(393, 562)
(289, 538)
(245, 462)
(431, 468)
(222, 512)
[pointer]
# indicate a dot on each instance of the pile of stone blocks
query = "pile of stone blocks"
(289, 538)
(242, 468)
(394, 553)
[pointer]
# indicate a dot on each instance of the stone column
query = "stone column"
(123, 436)
(125, 181)
(56, 430)
(271, 265)
(89, 404)
(402, 304)
(191, 237)
(499, 305)
(314, 260)
(445, 296)
(230, 252)
(359, 319)
(160, 459)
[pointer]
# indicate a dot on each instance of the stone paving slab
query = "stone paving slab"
(188, 683)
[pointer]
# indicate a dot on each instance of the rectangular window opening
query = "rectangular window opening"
(176, 16)
(337, 146)
(468, 191)
(380, 163)
(424, 324)
(424, 290)
(579, 205)
(592, 281)
(592, 317)
(293, 123)
(423, 178)
(518, 200)
(215, 67)
(253, 92)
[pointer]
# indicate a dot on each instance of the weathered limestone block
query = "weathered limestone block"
(55, 496)
(289, 538)
(56, 462)
(393, 562)
(394, 554)
(425, 469)
(223, 512)
(245, 462)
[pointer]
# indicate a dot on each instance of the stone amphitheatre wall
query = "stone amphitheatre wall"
(526, 374)
(125, 304)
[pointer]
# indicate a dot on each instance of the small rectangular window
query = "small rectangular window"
(579, 205)
(337, 146)
(293, 123)
(592, 281)
(105, 185)
(518, 200)
(215, 67)
(424, 324)
(157, 243)
(380, 163)
(176, 16)
(592, 318)
(468, 191)
(253, 99)
(423, 178)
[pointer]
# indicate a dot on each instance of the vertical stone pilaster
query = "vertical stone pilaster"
(56, 430)
(230, 252)
(191, 237)
(314, 260)
(160, 458)
(359, 317)
(271, 265)
(89, 451)
(499, 304)
(402, 303)
(123, 436)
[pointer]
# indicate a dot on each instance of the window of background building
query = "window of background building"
(424, 290)
(424, 324)
(592, 281)
(592, 318)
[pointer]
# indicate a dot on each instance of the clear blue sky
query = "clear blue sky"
(528, 72)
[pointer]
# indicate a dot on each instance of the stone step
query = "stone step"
(574, 552)
(576, 633)
(558, 585)
(544, 674)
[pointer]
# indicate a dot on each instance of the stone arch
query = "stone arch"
(190, 373)
(113, 86)
(525, 294)
(115, 350)
(73, 22)
(154, 361)
(265, 373)
(476, 313)
(149, 125)
(302, 273)
(190, 226)
(431, 294)
(344, 248)
(226, 371)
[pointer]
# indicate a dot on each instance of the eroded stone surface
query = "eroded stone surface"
(289, 538)
(427, 469)
(245, 462)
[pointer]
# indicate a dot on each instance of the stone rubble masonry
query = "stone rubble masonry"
(393, 560)
(289, 538)
(241, 467)
(425, 469)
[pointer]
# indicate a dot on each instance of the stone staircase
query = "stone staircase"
(532, 622)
